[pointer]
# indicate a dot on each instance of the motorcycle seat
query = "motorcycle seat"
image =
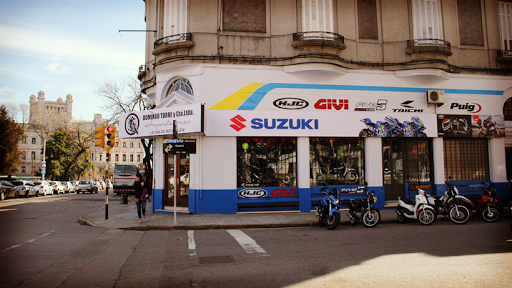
(408, 201)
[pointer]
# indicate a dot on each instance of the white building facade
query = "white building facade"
(302, 94)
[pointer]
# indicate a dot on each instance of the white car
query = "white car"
(68, 187)
(57, 187)
(25, 188)
(43, 187)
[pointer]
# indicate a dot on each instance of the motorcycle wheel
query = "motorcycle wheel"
(401, 219)
(426, 217)
(462, 216)
(490, 214)
(321, 223)
(333, 221)
(371, 218)
(351, 177)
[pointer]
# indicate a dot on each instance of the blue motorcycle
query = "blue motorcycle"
(328, 213)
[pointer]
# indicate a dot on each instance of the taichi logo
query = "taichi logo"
(407, 104)
(238, 123)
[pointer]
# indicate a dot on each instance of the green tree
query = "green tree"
(11, 134)
(66, 155)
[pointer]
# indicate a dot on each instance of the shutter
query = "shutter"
(426, 20)
(176, 17)
(317, 15)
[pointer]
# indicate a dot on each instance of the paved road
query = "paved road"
(43, 246)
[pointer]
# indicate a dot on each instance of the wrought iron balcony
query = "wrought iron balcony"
(318, 35)
(173, 38)
(504, 53)
(428, 42)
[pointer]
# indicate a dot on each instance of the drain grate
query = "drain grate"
(215, 259)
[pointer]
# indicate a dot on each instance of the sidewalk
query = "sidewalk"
(124, 216)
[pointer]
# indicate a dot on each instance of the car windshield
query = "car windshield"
(38, 183)
(84, 182)
(18, 183)
(130, 169)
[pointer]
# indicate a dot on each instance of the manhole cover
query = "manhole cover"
(215, 259)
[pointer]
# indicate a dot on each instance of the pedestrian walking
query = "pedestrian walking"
(141, 195)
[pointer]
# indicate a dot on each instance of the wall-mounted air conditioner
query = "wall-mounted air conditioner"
(435, 96)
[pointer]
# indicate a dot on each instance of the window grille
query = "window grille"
(266, 162)
(336, 161)
(466, 159)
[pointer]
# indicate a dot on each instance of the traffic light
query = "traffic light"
(111, 136)
(99, 136)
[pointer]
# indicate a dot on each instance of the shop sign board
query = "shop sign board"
(159, 122)
(320, 124)
(179, 146)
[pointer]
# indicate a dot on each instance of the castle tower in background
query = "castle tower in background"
(57, 108)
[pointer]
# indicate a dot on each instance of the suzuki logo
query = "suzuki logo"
(238, 123)
(328, 104)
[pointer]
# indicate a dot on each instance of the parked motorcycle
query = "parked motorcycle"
(343, 173)
(328, 213)
(418, 209)
(363, 210)
(447, 205)
(487, 206)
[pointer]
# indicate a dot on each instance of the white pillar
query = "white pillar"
(159, 164)
(497, 160)
(438, 158)
(373, 161)
(303, 160)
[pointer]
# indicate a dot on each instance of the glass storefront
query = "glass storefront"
(336, 161)
(266, 162)
(183, 169)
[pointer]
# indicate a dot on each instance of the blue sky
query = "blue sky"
(68, 47)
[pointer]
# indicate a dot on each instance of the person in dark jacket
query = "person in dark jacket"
(140, 197)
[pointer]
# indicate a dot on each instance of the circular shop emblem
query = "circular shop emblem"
(131, 124)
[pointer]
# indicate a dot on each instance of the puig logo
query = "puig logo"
(472, 108)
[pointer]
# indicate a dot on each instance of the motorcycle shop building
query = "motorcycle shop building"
(268, 138)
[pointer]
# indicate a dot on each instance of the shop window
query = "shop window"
(266, 162)
(417, 160)
(244, 15)
(466, 159)
(336, 161)
(507, 109)
(317, 15)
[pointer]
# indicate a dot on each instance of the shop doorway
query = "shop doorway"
(406, 162)
(183, 167)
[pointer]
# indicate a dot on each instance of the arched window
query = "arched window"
(181, 84)
(507, 109)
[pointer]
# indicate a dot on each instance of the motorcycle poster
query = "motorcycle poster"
(488, 126)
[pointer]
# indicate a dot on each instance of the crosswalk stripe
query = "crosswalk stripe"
(250, 246)
(191, 243)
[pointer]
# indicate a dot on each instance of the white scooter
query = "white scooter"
(415, 210)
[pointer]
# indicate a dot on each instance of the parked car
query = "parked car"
(103, 185)
(98, 184)
(57, 187)
(87, 186)
(43, 187)
(68, 187)
(25, 188)
(7, 190)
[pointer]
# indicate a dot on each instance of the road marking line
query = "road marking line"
(191, 243)
(250, 246)
(28, 241)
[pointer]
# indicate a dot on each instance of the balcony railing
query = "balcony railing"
(504, 53)
(318, 35)
(173, 38)
(428, 42)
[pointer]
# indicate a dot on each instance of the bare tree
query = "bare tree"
(126, 97)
